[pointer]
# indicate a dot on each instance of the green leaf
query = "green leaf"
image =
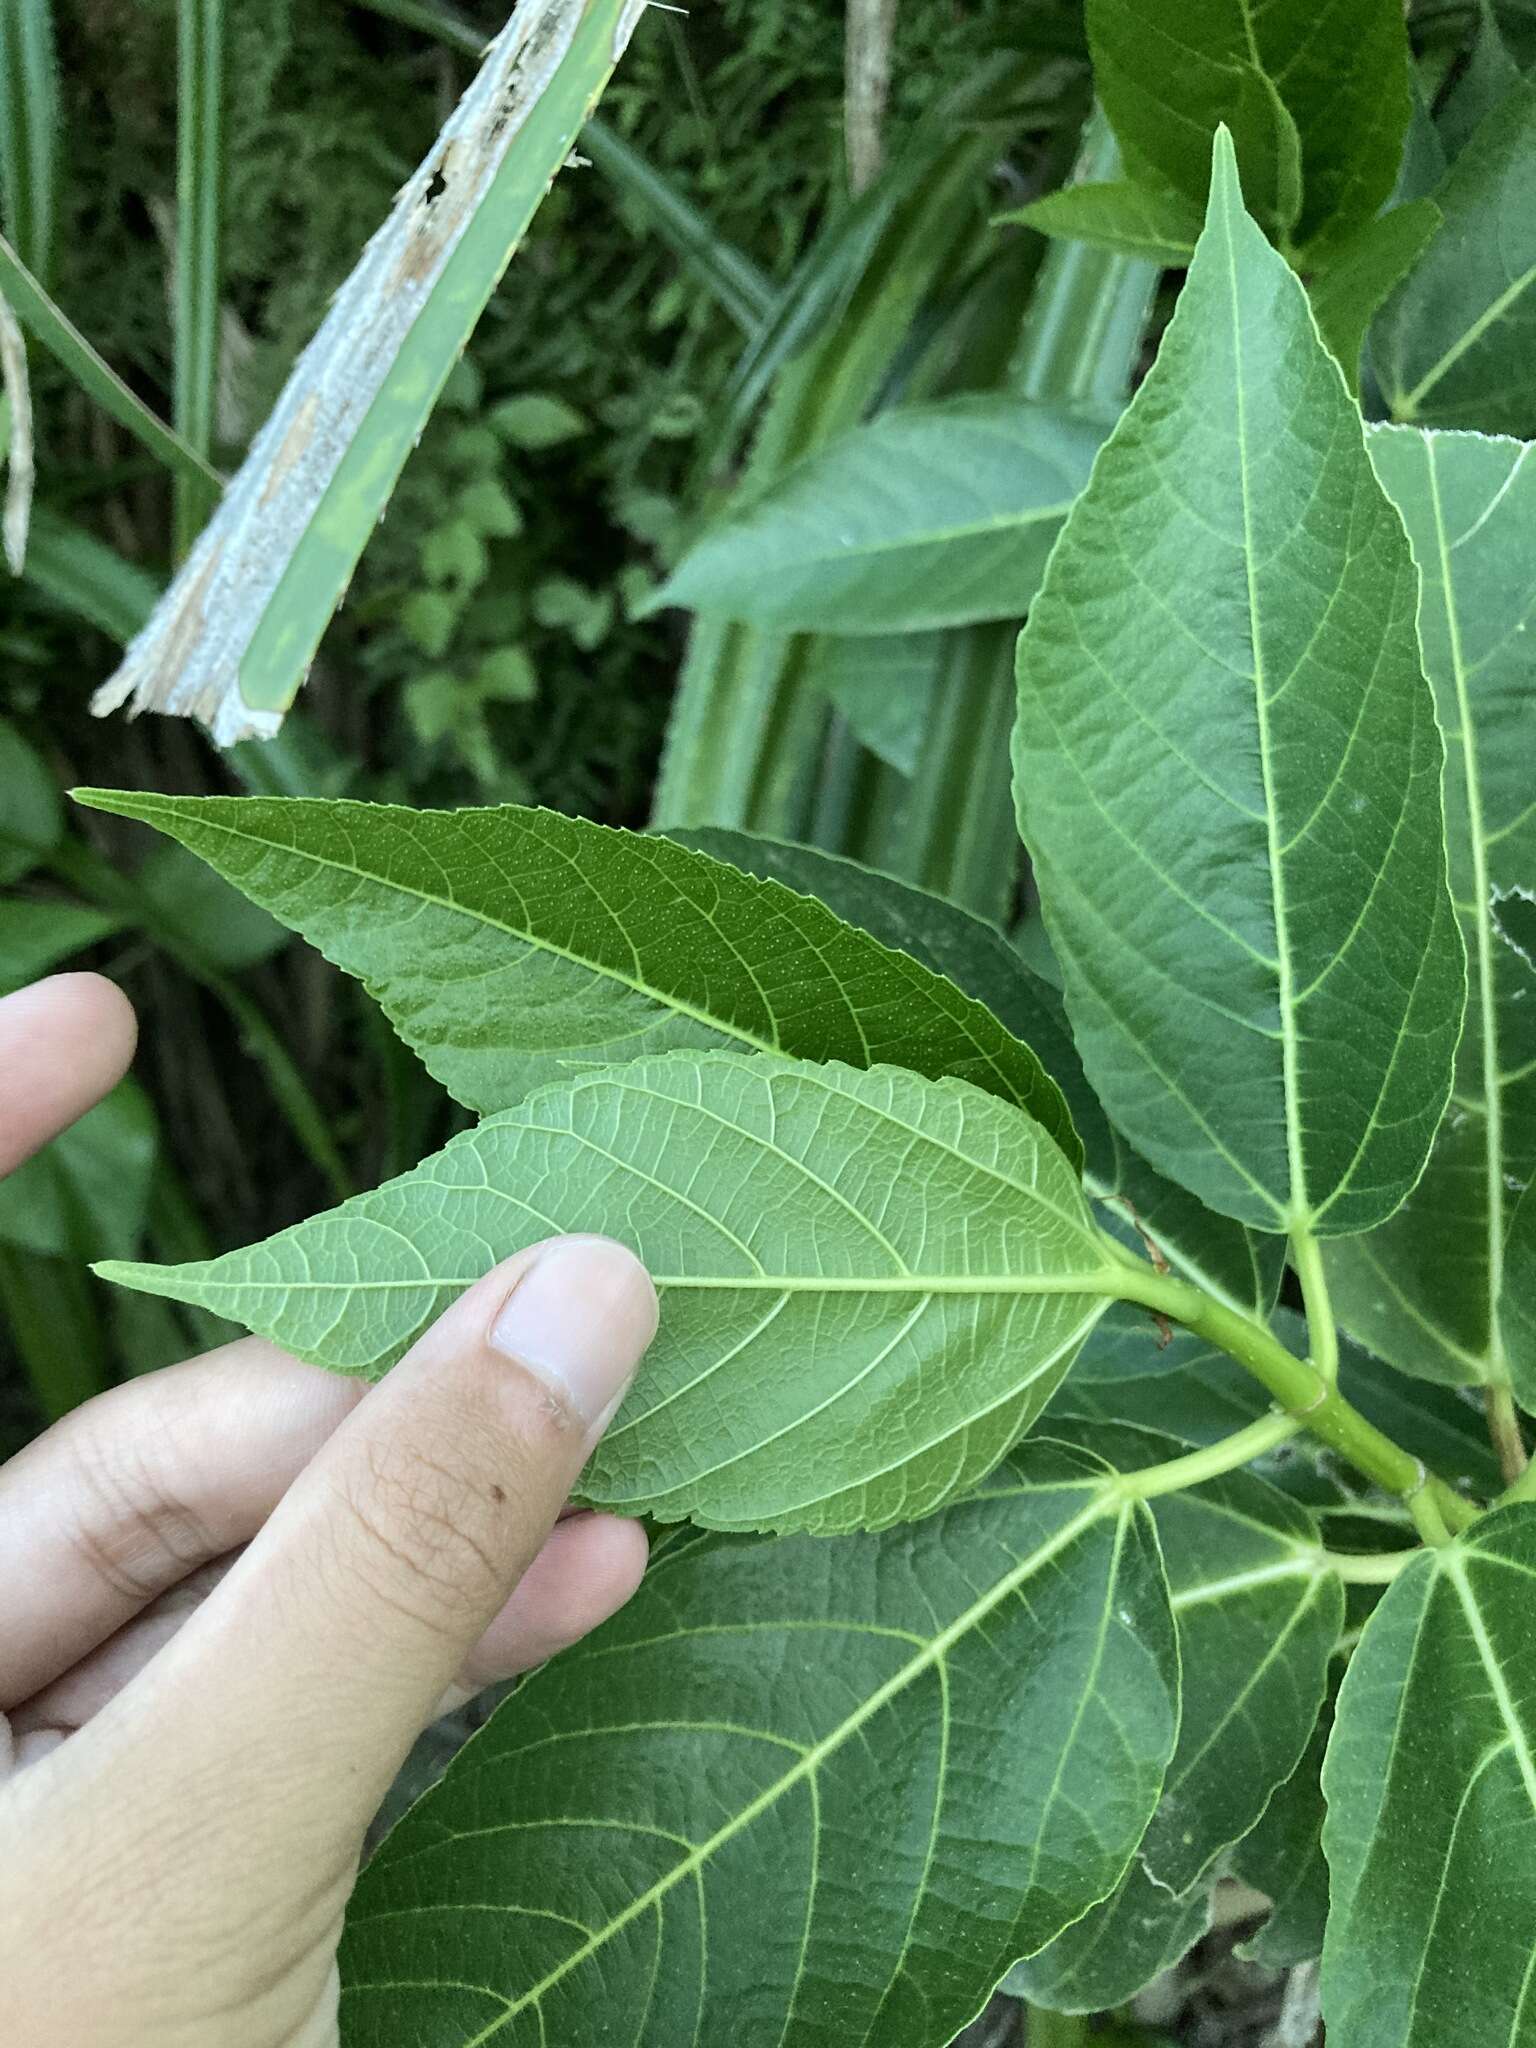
(1283, 1858)
(1228, 772)
(85, 1194)
(1240, 1266)
(507, 945)
(1116, 1949)
(1259, 1616)
(33, 818)
(80, 573)
(1431, 1787)
(1518, 1301)
(978, 1709)
(884, 685)
(1453, 347)
(29, 128)
(1362, 268)
(1136, 220)
(930, 516)
(201, 90)
(233, 637)
(35, 936)
(1422, 1289)
(870, 1282)
(218, 925)
(1312, 95)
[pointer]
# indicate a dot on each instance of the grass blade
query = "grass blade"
(199, 194)
(235, 635)
(43, 319)
(29, 128)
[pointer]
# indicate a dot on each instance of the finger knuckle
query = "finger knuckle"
(435, 1532)
(128, 1527)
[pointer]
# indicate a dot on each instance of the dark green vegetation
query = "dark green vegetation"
(1099, 1294)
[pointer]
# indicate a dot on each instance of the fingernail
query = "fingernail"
(580, 1320)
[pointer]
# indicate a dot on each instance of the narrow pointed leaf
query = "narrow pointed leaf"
(1136, 220)
(508, 945)
(884, 685)
(1422, 1290)
(1116, 1950)
(978, 1709)
(1241, 1266)
(870, 1283)
(1454, 346)
(928, 516)
(1431, 1787)
(1259, 1615)
(1223, 657)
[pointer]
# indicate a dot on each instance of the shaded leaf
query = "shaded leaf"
(1518, 1302)
(979, 1709)
(1116, 1949)
(1239, 1265)
(35, 937)
(85, 1194)
(870, 1283)
(1223, 658)
(1362, 268)
(1454, 347)
(32, 819)
(508, 945)
(929, 516)
(1431, 1786)
(1137, 220)
(1283, 1858)
(884, 685)
(1421, 1290)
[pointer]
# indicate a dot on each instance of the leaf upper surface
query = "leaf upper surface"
(1422, 1289)
(870, 1282)
(927, 516)
(1228, 770)
(929, 1750)
(508, 945)
(1431, 1786)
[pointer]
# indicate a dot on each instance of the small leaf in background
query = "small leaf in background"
(928, 516)
(1116, 1949)
(1329, 84)
(85, 1194)
(32, 818)
(870, 1283)
(1259, 1616)
(1361, 270)
(1224, 656)
(36, 936)
(508, 945)
(1131, 218)
(1456, 345)
(883, 685)
(219, 925)
(763, 1727)
(1432, 1764)
(535, 420)
(1422, 1289)
(234, 636)
(86, 578)
(1241, 1266)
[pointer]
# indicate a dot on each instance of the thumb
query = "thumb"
(295, 1692)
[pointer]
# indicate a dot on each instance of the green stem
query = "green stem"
(1046, 2029)
(1504, 1431)
(1298, 1387)
(1377, 1568)
(1227, 1455)
(1427, 1518)
(1322, 1331)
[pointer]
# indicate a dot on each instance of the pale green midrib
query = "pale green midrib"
(1407, 406)
(902, 544)
(1107, 1280)
(1307, 1562)
(1102, 1500)
(1452, 1561)
(725, 1027)
(1495, 1365)
(1297, 1212)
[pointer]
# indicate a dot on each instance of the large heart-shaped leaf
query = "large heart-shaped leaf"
(796, 1792)
(925, 517)
(1239, 1265)
(1228, 772)
(508, 945)
(870, 1282)
(1453, 347)
(1431, 1787)
(1422, 1290)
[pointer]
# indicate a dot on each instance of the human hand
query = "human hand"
(232, 1594)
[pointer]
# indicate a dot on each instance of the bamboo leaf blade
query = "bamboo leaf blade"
(231, 641)
(1423, 1288)
(870, 1283)
(925, 517)
(994, 1691)
(1224, 656)
(1431, 1761)
(507, 945)
(1241, 1266)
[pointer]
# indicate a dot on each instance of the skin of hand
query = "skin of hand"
(232, 1594)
